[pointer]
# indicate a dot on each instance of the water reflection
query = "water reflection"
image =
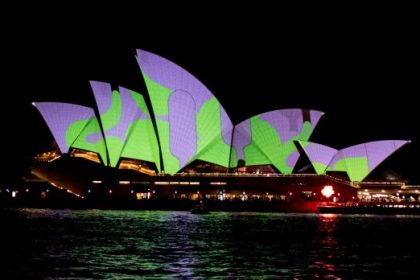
(98, 244)
(324, 263)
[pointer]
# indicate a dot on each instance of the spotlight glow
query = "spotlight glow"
(327, 191)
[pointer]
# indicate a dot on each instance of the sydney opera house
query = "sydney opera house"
(178, 143)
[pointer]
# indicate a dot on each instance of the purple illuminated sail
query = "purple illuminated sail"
(359, 160)
(60, 117)
(191, 122)
(268, 138)
(319, 155)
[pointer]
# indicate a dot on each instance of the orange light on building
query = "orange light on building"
(327, 191)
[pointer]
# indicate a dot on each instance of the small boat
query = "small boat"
(200, 208)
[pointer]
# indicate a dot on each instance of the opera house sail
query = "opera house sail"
(73, 126)
(268, 138)
(181, 123)
(357, 161)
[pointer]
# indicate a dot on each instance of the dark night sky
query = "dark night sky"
(364, 76)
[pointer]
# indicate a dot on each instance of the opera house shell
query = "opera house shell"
(183, 132)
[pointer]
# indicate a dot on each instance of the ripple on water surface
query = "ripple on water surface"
(98, 244)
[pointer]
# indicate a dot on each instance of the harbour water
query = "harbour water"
(105, 244)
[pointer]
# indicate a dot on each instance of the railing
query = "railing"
(241, 175)
(329, 177)
(411, 187)
(398, 183)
